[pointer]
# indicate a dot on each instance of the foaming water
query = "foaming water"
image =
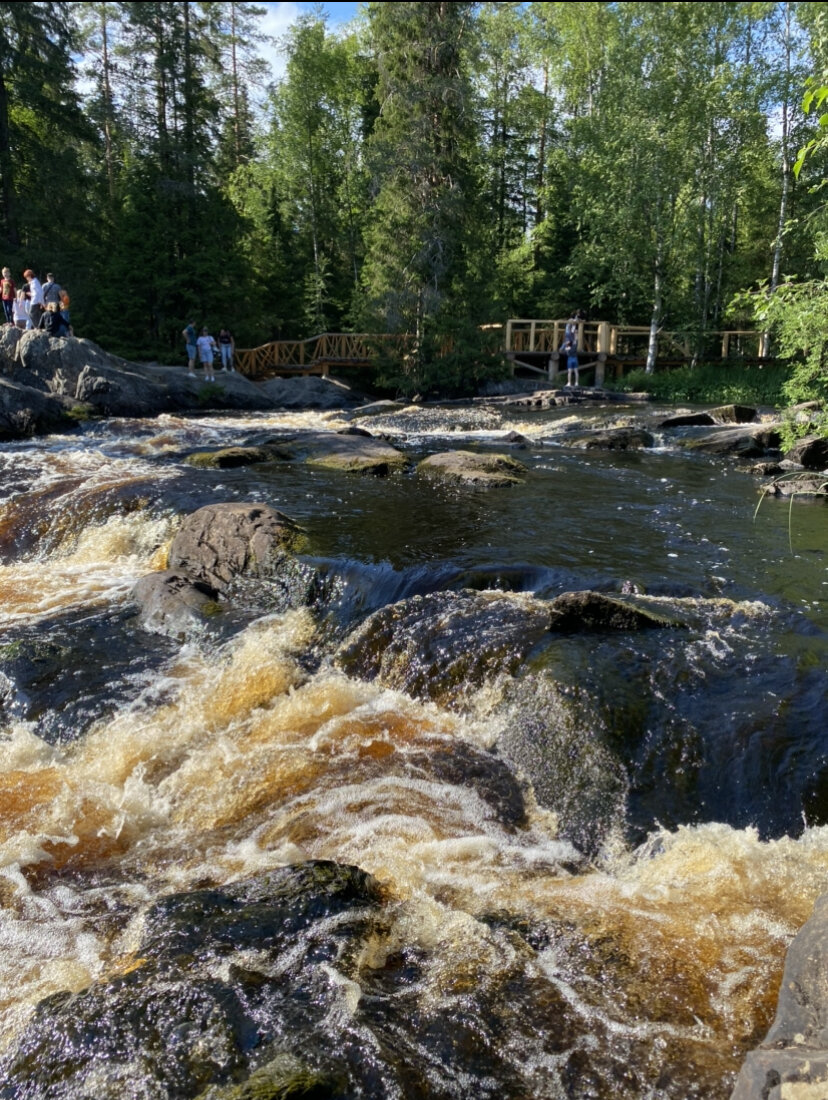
(630, 971)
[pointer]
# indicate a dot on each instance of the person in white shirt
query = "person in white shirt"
(21, 310)
(206, 349)
(36, 303)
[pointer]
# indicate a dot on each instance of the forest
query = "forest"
(430, 169)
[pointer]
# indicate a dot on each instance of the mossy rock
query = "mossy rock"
(469, 468)
(228, 457)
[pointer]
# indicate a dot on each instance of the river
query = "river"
(621, 934)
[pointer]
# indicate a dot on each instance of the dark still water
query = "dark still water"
(582, 854)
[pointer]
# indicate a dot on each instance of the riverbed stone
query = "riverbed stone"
(576, 612)
(792, 1061)
(228, 458)
(688, 420)
(805, 484)
(228, 984)
(810, 452)
(347, 453)
(446, 644)
(734, 414)
(745, 441)
(221, 541)
(468, 468)
(173, 603)
(26, 410)
(610, 439)
(310, 392)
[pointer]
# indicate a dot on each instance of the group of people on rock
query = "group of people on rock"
(204, 348)
(35, 304)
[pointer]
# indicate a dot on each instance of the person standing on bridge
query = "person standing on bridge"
(570, 347)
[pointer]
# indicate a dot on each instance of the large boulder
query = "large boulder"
(734, 414)
(26, 410)
(792, 1062)
(309, 392)
(468, 468)
(444, 644)
(221, 541)
(232, 984)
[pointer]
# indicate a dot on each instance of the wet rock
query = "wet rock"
(309, 393)
(747, 441)
(445, 644)
(73, 670)
(734, 414)
(792, 1062)
(229, 457)
(611, 439)
(482, 471)
(811, 452)
(173, 603)
(349, 453)
(686, 420)
(766, 469)
(220, 541)
(556, 740)
(27, 411)
(797, 485)
(79, 370)
(489, 777)
(229, 984)
(573, 612)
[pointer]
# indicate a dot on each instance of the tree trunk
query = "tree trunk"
(108, 112)
(7, 195)
(655, 318)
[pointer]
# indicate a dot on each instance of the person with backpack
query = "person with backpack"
(8, 293)
(51, 291)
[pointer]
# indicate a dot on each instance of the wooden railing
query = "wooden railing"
(317, 354)
(600, 340)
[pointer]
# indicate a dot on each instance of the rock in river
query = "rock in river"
(220, 541)
(440, 645)
(472, 469)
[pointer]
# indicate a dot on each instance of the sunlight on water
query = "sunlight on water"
(247, 763)
(99, 564)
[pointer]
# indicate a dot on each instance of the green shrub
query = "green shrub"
(712, 384)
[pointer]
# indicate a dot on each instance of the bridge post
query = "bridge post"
(600, 369)
(532, 329)
(509, 336)
(552, 366)
(603, 342)
(725, 344)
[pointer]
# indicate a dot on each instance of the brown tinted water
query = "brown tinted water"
(615, 927)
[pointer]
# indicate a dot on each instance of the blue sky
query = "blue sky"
(279, 17)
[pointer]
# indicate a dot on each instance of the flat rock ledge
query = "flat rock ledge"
(478, 471)
(792, 1062)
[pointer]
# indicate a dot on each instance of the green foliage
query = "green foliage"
(452, 360)
(712, 384)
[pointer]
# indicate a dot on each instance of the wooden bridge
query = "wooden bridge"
(535, 345)
(317, 354)
(531, 344)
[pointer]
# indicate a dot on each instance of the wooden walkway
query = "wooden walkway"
(533, 344)
(317, 354)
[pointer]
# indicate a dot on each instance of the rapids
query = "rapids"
(602, 912)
